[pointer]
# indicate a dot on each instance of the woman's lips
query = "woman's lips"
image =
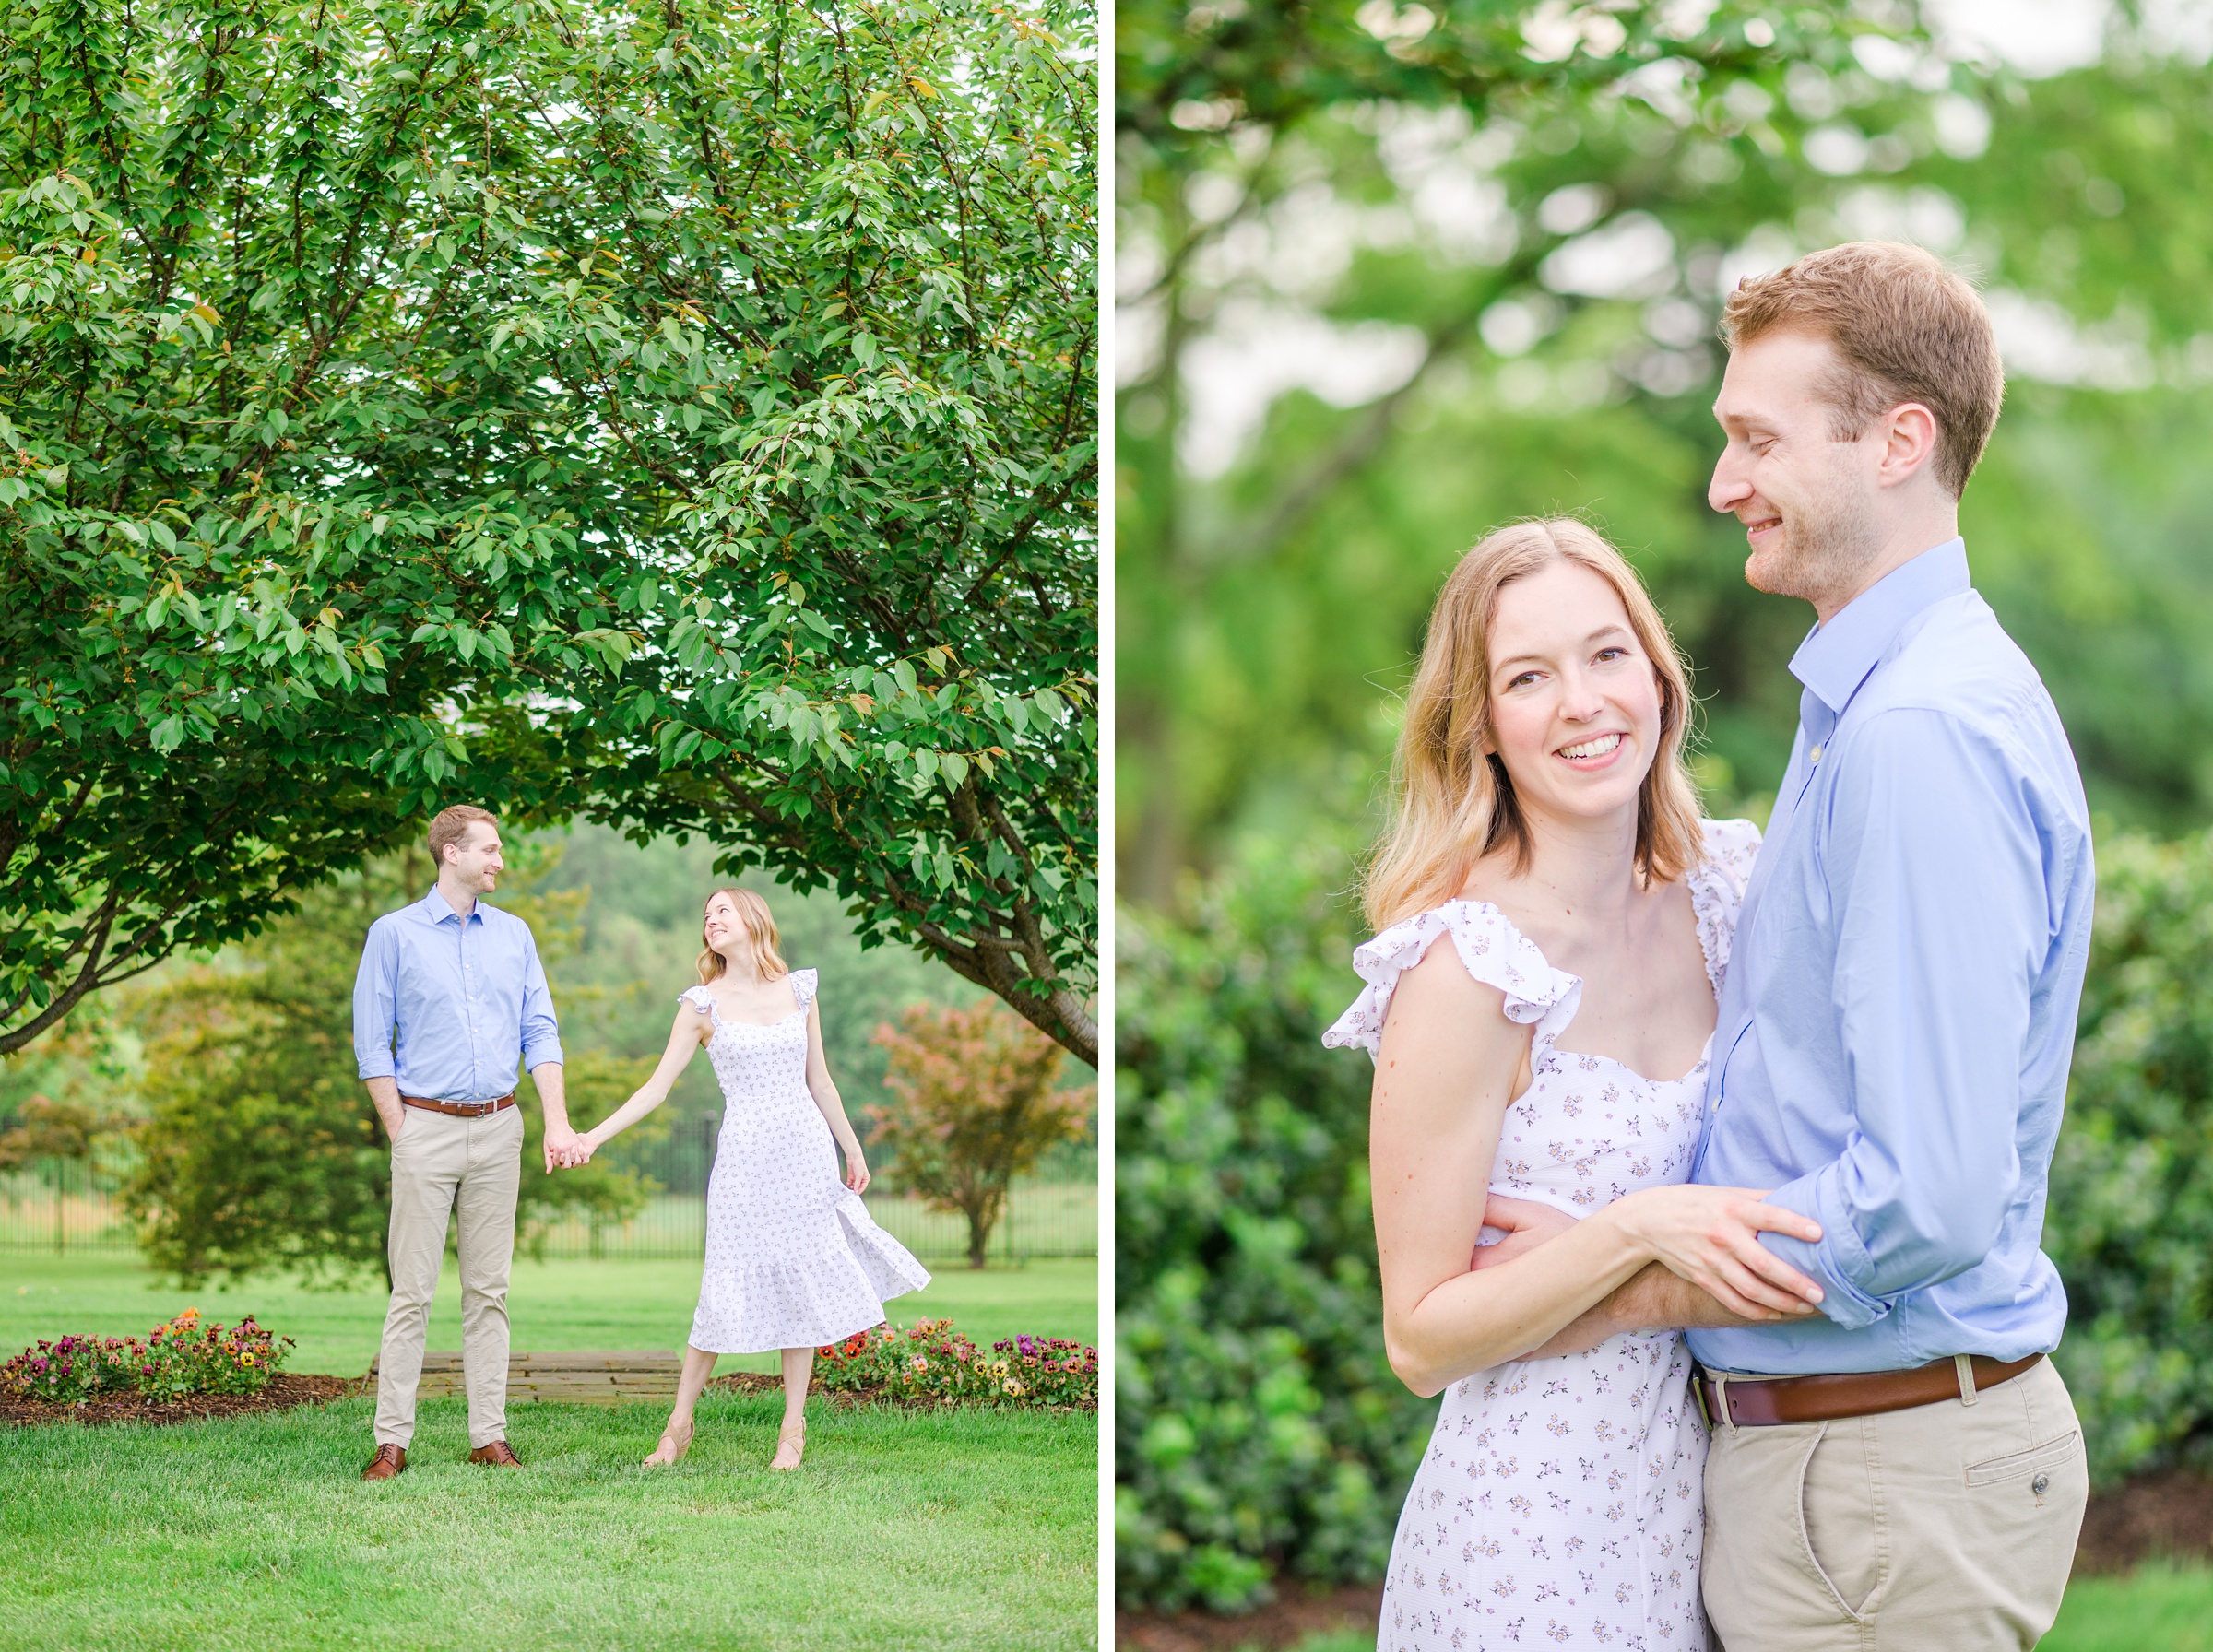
(1595, 751)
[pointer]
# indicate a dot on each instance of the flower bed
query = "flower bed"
(932, 1363)
(177, 1361)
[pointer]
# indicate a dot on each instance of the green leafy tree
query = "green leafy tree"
(974, 1105)
(682, 416)
(261, 1150)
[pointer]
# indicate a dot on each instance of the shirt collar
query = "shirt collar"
(1835, 658)
(436, 908)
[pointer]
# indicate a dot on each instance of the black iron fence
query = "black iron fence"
(64, 1205)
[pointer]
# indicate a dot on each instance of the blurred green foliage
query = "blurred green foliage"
(1258, 1426)
(2130, 1221)
(1508, 292)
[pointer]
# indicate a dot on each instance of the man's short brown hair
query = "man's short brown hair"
(452, 825)
(1909, 330)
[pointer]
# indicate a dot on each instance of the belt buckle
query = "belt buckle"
(1698, 1395)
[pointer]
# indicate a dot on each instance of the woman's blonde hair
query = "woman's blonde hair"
(753, 912)
(1454, 801)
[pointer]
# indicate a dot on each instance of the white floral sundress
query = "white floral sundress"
(793, 1258)
(1560, 1502)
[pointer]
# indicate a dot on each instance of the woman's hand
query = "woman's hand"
(856, 1171)
(1711, 1237)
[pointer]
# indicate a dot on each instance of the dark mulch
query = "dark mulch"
(1284, 1623)
(761, 1381)
(2156, 1516)
(285, 1390)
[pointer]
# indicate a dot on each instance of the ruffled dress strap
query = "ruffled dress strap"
(1491, 949)
(1717, 889)
(699, 997)
(804, 983)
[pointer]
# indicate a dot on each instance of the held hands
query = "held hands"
(565, 1150)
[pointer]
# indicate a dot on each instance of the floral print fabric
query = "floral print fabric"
(793, 1258)
(1560, 1501)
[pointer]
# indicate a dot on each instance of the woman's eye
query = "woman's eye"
(1524, 680)
(1611, 654)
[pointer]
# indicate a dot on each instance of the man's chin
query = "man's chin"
(1773, 569)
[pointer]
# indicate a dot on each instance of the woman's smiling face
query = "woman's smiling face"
(1575, 700)
(721, 925)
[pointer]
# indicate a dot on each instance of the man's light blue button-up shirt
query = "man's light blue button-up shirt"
(1898, 1013)
(466, 996)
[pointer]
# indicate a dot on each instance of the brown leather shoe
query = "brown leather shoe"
(390, 1460)
(498, 1452)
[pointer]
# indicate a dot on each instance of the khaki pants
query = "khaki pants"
(1947, 1528)
(441, 1164)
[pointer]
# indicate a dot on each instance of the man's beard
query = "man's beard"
(1826, 544)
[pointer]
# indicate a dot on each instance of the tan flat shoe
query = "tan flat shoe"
(672, 1449)
(792, 1444)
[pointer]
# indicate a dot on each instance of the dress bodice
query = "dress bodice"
(751, 1058)
(1589, 1128)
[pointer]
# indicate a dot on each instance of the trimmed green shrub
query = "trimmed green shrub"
(2130, 1221)
(1258, 1427)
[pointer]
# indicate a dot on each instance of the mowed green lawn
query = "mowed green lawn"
(965, 1530)
(550, 1306)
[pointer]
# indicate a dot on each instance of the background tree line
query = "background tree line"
(1392, 274)
(220, 1091)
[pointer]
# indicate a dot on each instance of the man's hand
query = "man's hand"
(564, 1149)
(1527, 1224)
(384, 1093)
(561, 1142)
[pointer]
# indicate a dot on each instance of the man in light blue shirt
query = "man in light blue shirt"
(451, 996)
(1898, 1013)
(1901, 1466)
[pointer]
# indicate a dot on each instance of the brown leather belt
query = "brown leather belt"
(458, 1109)
(1753, 1402)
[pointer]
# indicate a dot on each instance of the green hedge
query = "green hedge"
(1258, 1426)
(2130, 1221)
(1259, 1433)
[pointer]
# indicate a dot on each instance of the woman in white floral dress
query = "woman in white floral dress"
(794, 1261)
(1554, 1050)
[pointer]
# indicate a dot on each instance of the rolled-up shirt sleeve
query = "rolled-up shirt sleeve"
(376, 998)
(1935, 878)
(541, 1032)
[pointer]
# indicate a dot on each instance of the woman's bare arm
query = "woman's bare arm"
(832, 1105)
(1445, 1071)
(1444, 1074)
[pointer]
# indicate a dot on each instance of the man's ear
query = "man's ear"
(1910, 436)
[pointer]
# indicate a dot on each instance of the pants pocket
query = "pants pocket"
(1839, 1512)
(2039, 1459)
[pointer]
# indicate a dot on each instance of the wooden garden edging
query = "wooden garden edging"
(598, 1378)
